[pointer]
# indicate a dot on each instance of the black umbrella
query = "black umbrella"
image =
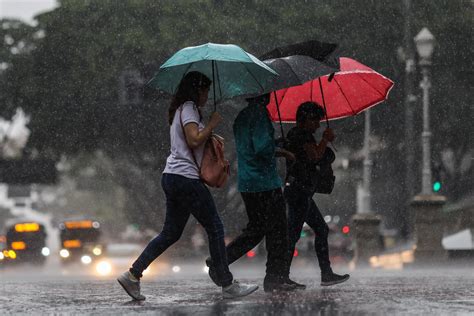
(302, 62)
(323, 52)
(297, 69)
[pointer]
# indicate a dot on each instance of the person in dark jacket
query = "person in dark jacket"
(300, 186)
(260, 187)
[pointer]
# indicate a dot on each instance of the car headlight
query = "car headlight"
(97, 251)
(103, 268)
(86, 259)
(45, 251)
(2, 256)
(64, 253)
(11, 254)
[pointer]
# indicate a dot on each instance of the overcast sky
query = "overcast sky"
(24, 9)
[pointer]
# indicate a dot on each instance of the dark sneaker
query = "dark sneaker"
(130, 286)
(238, 290)
(212, 272)
(278, 287)
(333, 278)
(299, 286)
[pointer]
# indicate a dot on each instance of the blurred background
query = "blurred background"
(83, 142)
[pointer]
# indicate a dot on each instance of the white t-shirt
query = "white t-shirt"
(181, 161)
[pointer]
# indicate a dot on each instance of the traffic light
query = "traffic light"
(436, 186)
(436, 174)
(346, 229)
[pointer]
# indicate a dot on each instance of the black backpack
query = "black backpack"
(323, 177)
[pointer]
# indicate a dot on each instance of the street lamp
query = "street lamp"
(424, 45)
(366, 206)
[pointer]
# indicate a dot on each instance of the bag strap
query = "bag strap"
(186, 141)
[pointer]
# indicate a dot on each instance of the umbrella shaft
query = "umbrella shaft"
(279, 115)
(214, 84)
(324, 102)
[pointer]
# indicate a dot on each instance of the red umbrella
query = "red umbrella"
(352, 90)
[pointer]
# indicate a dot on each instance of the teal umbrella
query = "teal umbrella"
(233, 71)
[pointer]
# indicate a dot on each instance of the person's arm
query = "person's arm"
(280, 152)
(196, 137)
(316, 151)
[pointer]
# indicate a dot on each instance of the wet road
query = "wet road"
(378, 292)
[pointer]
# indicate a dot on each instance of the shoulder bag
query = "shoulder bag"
(214, 169)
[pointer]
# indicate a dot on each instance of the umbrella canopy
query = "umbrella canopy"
(297, 69)
(299, 63)
(353, 89)
(323, 52)
(233, 71)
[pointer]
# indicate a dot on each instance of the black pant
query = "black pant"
(301, 209)
(266, 212)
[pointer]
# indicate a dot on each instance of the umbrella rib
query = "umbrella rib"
(184, 74)
(345, 97)
(243, 64)
(283, 96)
(381, 94)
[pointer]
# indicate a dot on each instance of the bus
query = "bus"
(26, 243)
(80, 241)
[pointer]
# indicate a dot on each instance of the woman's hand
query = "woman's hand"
(289, 155)
(316, 151)
(328, 135)
(280, 152)
(196, 137)
(214, 120)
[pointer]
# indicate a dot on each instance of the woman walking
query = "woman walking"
(185, 193)
(300, 188)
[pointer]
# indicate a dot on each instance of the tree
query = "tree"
(18, 41)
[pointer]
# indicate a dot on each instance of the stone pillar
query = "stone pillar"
(429, 228)
(368, 241)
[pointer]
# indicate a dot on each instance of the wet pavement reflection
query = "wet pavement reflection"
(408, 292)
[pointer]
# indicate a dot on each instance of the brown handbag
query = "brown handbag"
(214, 169)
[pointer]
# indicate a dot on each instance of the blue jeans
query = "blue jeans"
(184, 197)
(301, 209)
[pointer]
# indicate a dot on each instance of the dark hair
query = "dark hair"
(188, 90)
(309, 110)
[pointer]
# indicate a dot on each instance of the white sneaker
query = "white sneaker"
(238, 290)
(131, 286)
